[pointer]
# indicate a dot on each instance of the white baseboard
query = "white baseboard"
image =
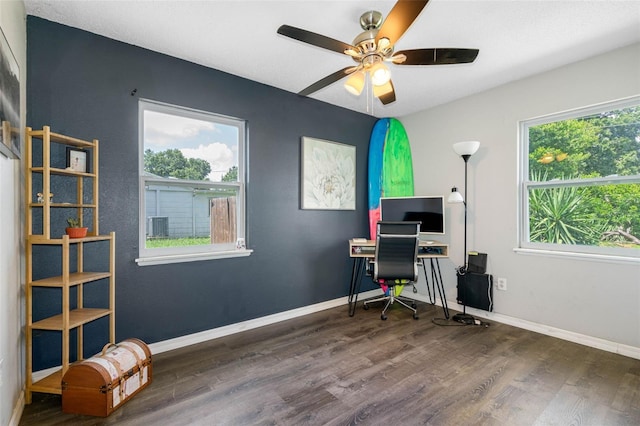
(582, 339)
(594, 342)
(17, 411)
(203, 336)
(214, 333)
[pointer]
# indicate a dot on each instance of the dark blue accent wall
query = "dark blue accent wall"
(81, 84)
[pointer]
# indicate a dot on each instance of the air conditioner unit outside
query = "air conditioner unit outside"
(158, 226)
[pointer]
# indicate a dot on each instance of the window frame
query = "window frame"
(157, 256)
(525, 185)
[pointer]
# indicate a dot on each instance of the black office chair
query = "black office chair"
(396, 262)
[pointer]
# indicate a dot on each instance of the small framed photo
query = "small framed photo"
(77, 160)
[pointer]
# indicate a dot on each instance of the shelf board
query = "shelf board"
(77, 317)
(50, 384)
(84, 206)
(39, 239)
(75, 278)
(59, 138)
(57, 171)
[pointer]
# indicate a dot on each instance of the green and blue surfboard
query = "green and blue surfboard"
(390, 166)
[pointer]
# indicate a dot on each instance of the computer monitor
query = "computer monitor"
(427, 209)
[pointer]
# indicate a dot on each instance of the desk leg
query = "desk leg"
(354, 288)
(436, 276)
(426, 277)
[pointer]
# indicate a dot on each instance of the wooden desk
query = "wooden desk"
(426, 250)
(362, 251)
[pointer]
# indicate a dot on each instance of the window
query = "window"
(580, 181)
(192, 194)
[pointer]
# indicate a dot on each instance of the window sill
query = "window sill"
(193, 257)
(607, 258)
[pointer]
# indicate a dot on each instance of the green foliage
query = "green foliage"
(73, 222)
(561, 216)
(231, 175)
(621, 203)
(171, 163)
(601, 145)
(570, 138)
(177, 242)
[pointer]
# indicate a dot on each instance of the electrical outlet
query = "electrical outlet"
(502, 284)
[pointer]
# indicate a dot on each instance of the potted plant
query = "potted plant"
(75, 230)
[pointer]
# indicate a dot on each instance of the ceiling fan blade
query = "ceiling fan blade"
(314, 39)
(437, 56)
(400, 18)
(385, 93)
(330, 79)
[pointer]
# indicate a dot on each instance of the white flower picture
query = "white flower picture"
(328, 175)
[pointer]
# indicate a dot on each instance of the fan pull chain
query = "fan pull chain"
(369, 96)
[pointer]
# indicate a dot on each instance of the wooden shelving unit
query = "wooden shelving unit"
(84, 203)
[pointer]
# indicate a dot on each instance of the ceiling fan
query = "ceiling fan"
(374, 46)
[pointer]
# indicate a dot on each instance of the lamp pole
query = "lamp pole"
(465, 150)
(465, 157)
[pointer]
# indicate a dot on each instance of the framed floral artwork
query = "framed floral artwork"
(328, 175)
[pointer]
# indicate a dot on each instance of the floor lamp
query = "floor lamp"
(465, 150)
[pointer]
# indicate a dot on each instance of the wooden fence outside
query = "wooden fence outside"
(223, 220)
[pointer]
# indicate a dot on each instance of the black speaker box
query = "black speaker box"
(477, 262)
(476, 290)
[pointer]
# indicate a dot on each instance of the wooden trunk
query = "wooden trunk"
(99, 385)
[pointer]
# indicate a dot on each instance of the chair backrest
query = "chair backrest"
(397, 251)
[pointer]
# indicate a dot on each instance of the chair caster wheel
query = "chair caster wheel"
(415, 290)
(414, 306)
(365, 307)
(415, 316)
(383, 317)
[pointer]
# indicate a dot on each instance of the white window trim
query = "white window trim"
(148, 257)
(590, 257)
(181, 258)
(604, 254)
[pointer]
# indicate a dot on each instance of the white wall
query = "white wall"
(13, 24)
(596, 299)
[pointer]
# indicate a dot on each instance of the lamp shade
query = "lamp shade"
(380, 74)
(455, 196)
(466, 147)
(355, 83)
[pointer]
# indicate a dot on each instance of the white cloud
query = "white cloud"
(220, 157)
(194, 138)
(163, 129)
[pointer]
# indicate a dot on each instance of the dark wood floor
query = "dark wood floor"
(330, 369)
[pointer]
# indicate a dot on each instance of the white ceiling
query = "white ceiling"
(516, 38)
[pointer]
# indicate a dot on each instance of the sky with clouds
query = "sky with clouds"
(213, 142)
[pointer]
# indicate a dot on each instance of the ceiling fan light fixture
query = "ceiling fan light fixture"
(383, 43)
(380, 74)
(376, 45)
(355, 83)
(382, 90)
(352, 52)
(399, 58)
